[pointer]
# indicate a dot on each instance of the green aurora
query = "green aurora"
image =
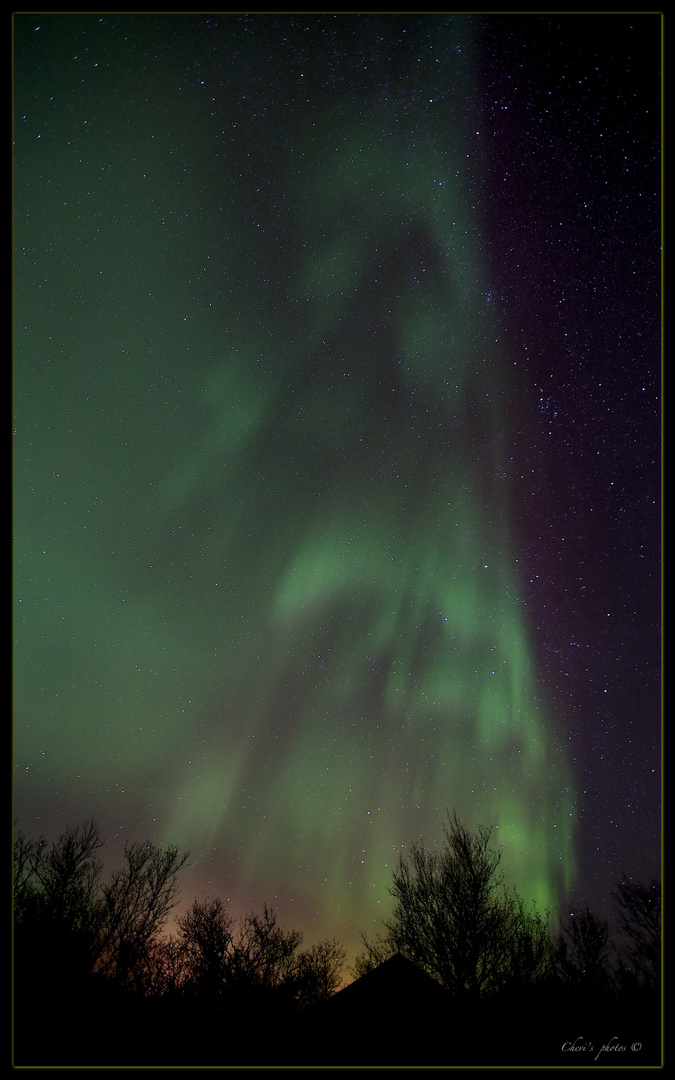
(267, 601)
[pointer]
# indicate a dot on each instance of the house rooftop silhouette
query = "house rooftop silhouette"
(396, 981)
(386, 1017)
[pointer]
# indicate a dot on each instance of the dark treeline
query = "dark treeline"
(97, 981)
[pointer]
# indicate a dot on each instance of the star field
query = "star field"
(337, 445)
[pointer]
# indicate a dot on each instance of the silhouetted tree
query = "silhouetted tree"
(263, 955)
(136, 904)
(27, 852)
(166, 968)
(68, 923)
(253, 957)
(583, 952)
(639, 909)
(205, 938)
(527, 947)
(455, 918)
(68, 873)
(57, 913)
(318, 972)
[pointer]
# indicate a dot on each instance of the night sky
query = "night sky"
(336, 452)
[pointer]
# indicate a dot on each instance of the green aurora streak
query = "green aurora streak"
(284, 614)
